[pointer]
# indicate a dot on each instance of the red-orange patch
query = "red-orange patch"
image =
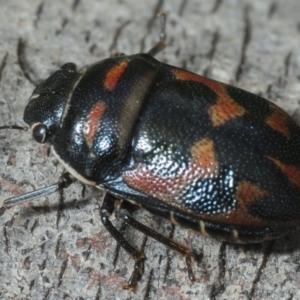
(292, 173)
(203, 164)
(114, 75)
(225, 109)
(277, 120)
(248, 192)
(93, 122)
(217, 87)
(204, 157)
(239, 216)
(156, 186)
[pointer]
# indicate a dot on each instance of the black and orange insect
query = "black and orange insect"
(202, 154)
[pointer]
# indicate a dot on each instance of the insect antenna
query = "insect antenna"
(64, 181)
(161, 44)
(13, 127)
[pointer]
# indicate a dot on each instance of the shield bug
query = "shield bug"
(200, 153)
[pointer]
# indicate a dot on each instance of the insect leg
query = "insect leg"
(184, 251)
(107, 208)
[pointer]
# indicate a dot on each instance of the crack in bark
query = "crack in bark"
(218, 286)
(86, 254)
(62, 271)
(42, 246)
(156, 10)
(57, 246)
(7, 247)
(27, 263)
(47, 295)
(267, 250)
(31, 284)
(75, 4)
(287, 63)
(112, 48)
(214, 43)
(98, 295)
(182, 7)
(3, 64)
(148, 286)
(168, 264)
(35, 224)
(246, 41)
(60, 207)
(212, 51)
(42, 266)
(217, 5)
(64, 23)
(22, 61)
(291, 297)
(38, 13)
(272, 9)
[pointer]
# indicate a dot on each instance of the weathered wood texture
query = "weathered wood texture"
(56, 248)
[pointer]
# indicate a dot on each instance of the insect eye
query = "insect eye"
(69, 67)
(40, 133)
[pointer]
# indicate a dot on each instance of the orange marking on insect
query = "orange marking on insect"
(239, 216)
(146, 181)
(93, 122)
(292, 173)
(248, 192)
(225, 108)
(188, 76)
(203, 164)
(114, 75)
(277, 120)
(204, 157)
